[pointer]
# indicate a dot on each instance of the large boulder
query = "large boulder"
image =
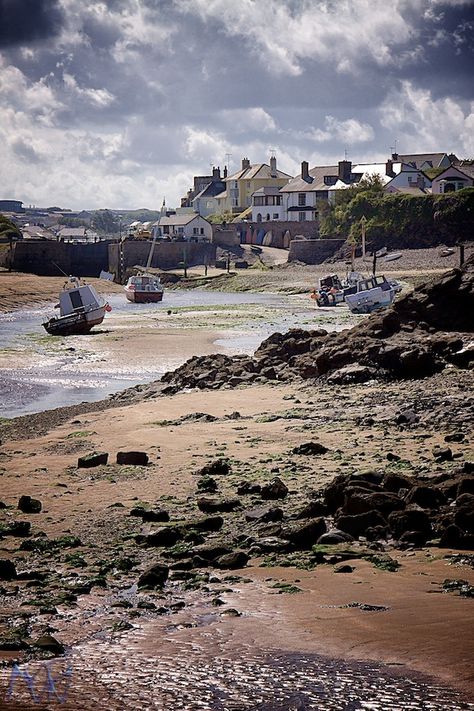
(411, 519)
(133, 458)
(274, 489)
(304, 535)
(358, 524)
(428, 497)
(155, 576)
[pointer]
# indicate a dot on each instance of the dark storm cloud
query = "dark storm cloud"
(447, 40)
(28, 21)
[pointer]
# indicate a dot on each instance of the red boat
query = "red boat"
(144, 289)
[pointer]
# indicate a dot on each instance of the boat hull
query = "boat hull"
(144, 297)
(365, 302)
(74, 324)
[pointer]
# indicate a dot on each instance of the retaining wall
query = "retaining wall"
(313, 251)
(166, 255)
(49, 258)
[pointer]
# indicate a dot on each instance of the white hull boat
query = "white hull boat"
(372, 294)
(80, 309)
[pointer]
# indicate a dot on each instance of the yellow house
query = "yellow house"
(237, 197)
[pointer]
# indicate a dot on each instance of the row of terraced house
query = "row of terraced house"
(261, 192)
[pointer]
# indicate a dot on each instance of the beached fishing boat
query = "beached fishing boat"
(143, 289)
(372, 293)
(80, 308)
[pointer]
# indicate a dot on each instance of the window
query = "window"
(258, 201)
(302, 216)
(202, 230)
(180, 230)
(275, 215)
(330, 179)
(301, 199)
(195, 230)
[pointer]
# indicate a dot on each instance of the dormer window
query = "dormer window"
(330, 179)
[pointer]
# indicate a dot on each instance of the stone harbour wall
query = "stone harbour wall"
(313, 251)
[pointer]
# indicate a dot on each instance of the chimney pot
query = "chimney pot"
(273, 167)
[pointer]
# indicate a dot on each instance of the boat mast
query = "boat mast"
(150, 256)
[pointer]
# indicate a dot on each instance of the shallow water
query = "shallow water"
(117, 676)
(42, 372)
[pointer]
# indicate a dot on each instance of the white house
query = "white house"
(267, 204)
(192, 227)
(454, 178)
(300, 194)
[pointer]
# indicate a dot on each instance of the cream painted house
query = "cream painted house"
(237, 197)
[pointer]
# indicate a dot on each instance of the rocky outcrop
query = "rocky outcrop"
(418, 336)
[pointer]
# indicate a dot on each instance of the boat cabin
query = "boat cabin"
(83, 298)
(373, 282)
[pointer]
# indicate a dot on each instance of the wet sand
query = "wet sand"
(195, 657)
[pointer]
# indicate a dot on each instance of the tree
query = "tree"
(105, 221)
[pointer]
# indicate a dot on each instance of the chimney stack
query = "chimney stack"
(216, 173)
(273, 167)
(225, 172)
(305, 172)
(245, 163)
(389, 169)
(344, 172)
(395, 156)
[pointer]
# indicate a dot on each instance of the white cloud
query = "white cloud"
(342, 32)
(348, 131)
(430, 124)
(251, 119)
(99, 97)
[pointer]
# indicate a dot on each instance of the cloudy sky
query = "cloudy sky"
(118, 103)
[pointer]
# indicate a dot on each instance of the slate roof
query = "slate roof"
(211, 190)
(259, 171)
(419, 159)
(298, 185)
(179, 220)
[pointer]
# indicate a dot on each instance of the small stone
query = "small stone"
(442, 454)
(28, 505)
(139, 459)
(48, 643)
(346, 568)
(94, 459)
(236, 559)
(310, 448)
(7, 569)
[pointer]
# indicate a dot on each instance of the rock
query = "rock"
(428, 497)
(210, 552)
(358, 524)
(414, 538)
(465, 486)
(442, 454)
(334, 536)
(19, 529)
(231, 561)
(94, 459)
(207, 484)
(358, 501)
(207, 505)
(304, 535)
(154, 516)
(48, 643)
(274, 489)
(139, 459)
(261, 514)
(464, 516)
(407, 417)
(28, 505)
(248, 487)
(165, 536)
(354, 373)
(346, 568)
(7, 569)
(216, 468)
(454, 437)
(409, 520)
(394, 482)
(153, 577)
(312, 509)
(206, 523)
(310, 448)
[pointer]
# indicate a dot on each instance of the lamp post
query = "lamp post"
(363, 223)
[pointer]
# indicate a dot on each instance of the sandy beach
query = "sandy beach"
(391, 608)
